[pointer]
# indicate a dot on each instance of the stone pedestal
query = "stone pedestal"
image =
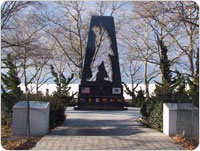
(101, 97)
(180, 119)
(39, 118)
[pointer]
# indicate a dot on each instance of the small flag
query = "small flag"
(90, 100)
(119, 100)
(97, 100)
(104, 100)
(82, 100)
(116, 90)
(112, 100)
(85, 90)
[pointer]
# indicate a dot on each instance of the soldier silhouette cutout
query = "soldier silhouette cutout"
(106, 52)
(102, 74)
(103, 53)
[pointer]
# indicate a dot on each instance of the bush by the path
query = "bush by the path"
(156, 116)
(57, 112)
(10, 89)
(60, 99)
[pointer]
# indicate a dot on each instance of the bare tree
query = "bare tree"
(131, 69)
(71, 30)
(9, 9)
(154, 21)
(70, 33)
(143, 48)
(41, 64)
(188, 14)
(176, 24)
(108, 8)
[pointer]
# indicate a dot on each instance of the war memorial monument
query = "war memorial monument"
(106, 91)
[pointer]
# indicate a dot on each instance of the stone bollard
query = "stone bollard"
(180, 118)
(39, 118)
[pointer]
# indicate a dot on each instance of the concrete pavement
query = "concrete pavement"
(104, 130)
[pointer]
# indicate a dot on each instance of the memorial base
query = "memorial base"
(100, 108)
(94, 97)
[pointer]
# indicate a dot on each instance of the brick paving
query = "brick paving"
(104, 130)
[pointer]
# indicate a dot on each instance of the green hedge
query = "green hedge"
(156, 116)
(57, 114)
(152, 111)
(57, 111)
(143, 110)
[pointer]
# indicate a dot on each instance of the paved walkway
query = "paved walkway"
(104, 130)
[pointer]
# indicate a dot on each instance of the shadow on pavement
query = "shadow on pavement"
(85, 127)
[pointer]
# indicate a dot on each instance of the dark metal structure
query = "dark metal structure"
(101, 93)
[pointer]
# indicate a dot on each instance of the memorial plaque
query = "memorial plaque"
(101, 78)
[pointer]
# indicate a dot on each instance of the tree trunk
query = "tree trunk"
(37, 89)
(191, 51)
(145, 62)
(27, 99)
(191, 67)
(146, 85)
(132, 87)
(28, 108)
(28, 113)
